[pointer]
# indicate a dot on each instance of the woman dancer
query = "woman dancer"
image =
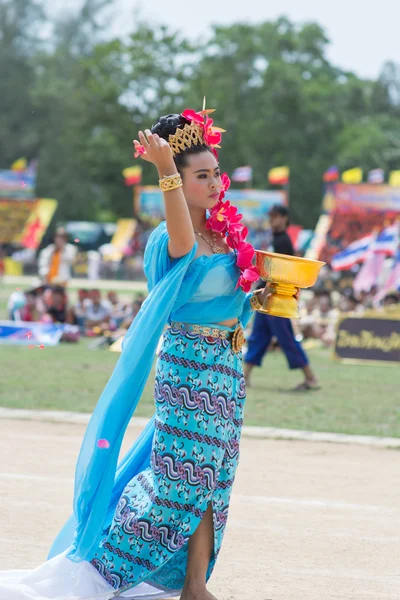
(153, 527)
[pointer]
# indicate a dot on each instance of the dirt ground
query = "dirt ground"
(308, 521)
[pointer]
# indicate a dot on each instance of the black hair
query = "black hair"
(167, 126)
(58, 289)
(279, 209)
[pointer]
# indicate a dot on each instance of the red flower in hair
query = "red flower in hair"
(192, 115)
(247, 278)
(212, 135)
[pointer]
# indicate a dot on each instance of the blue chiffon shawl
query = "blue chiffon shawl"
(200, 290)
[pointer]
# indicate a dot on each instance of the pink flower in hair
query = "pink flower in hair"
(212, 135)
(192, 115)
(245, 254)
(247, 278)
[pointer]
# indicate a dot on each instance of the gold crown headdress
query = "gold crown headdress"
(199, 131)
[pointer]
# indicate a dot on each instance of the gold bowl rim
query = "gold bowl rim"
(289, 257)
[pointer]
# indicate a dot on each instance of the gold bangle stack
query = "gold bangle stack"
(170, 182)
(255, 300)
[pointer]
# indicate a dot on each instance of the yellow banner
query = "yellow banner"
(394, 178)
(278, 174)
(121, 238)
(352, 175)
(25, 221)
(132, 172)
(19, 165)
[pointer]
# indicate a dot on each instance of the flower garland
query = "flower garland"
(224, 218)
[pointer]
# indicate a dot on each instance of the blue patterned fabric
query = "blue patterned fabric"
(199, 398)
(181, 287)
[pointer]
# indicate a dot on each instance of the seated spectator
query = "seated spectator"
(15, 304)
(98, 312)
(56, 304)
(325, 319)
(132, 311)
(118, 309)
(78, 311)
(349, 304)
(391, 299)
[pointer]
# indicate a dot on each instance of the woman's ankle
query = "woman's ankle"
(195, 583)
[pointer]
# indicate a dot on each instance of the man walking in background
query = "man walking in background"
(265, 327)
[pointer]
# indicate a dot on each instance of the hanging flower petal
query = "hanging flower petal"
(226, 182)
(247, 278)
(245, 255)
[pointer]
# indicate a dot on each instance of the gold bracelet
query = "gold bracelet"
(170, 182)
(255, 300)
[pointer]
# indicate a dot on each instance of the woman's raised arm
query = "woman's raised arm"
(179, 224)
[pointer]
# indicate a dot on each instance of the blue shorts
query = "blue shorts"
(265, 327)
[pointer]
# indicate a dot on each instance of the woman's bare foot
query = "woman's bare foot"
(196, 593)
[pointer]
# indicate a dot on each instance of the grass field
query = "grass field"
(352, 399)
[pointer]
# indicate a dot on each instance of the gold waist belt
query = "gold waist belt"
(236, 337)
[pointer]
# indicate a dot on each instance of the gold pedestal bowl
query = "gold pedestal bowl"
(285, 274)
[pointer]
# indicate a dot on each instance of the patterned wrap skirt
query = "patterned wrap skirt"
(199, 399)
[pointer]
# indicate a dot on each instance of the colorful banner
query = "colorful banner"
(24, 222)
(363, 196)
(369, 339)
(30, 334)
(18, 184)
(354, 212)
(254, 205)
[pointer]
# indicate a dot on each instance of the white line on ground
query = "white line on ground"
(248, 431)
(24, 476)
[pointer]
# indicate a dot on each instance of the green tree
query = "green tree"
(19, 41)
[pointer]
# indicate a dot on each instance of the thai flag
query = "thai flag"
(388, 240)
(371, 270)
(376, 176)
(242, 174)
(355, 253)
(392, 283)
(332, 174)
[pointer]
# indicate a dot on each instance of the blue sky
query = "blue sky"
(363, 35)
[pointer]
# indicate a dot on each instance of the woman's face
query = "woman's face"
(201, 180)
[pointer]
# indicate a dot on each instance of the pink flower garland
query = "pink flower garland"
(225, 219)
